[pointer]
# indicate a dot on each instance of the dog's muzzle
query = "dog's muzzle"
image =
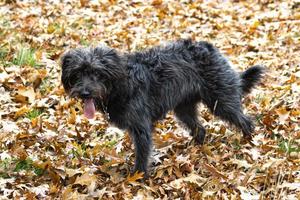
(85, 94)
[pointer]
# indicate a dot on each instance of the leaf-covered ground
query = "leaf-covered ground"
(49, 150)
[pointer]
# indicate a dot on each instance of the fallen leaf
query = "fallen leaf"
(21, 111)
(136, 176)
(213, 170)
(25, 95)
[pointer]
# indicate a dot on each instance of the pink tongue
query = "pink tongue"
(89, 108)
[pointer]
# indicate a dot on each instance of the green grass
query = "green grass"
(38, 171)
(4, 164)
(84, 42)
(258, 98)
(46, 86)
(259, 118)
(23, 165)
(79, 152)
(25, 56)
(4, 22)
(288, 146)
(111, 144)
(3, 54)
(34, 113)
(236, 145)
(27, 165)
(4, 175)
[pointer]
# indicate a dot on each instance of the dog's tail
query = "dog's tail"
(251, 77)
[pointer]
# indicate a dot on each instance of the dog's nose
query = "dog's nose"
(85, 94)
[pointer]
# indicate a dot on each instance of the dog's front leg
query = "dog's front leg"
(141, 135)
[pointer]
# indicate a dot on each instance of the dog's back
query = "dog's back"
(186, 72)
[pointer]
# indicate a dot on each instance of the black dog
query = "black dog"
(136, 89)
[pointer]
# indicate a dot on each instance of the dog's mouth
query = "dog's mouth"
(89, 108)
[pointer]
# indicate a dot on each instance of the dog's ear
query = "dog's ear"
(110, 63)
(105, 54)
(65, 60)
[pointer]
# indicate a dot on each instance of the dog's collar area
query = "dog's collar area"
(104, 108)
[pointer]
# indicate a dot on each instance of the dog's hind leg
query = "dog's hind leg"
(187, 113)
(230, 110)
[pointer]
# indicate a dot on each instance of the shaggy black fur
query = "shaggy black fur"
(136, 89)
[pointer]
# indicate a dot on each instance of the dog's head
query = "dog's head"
(89, 74)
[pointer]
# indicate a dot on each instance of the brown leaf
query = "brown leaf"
(283, 114)
(86, 179)
(187, 167)
(214, 171)
(25, 94)
(54, 176)
(157, 2)
(84, 3)
(20, 152)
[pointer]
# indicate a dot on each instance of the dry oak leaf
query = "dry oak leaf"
(86, 179)
(90, 180)
(136, 176)
(25, 94)
(191, 178)
(214, 171)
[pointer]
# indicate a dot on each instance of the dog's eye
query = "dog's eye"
(103, 61)
(74, 78)
(73, 81)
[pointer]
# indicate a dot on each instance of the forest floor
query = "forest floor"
(49, 150)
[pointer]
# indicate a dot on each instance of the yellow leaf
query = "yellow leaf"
(96, 150)
(53, 189)
(38, 54)
(297, 16)
(292, 79)
(51, 28)
(72, 116)
(34, 122)
(265, 102)
(254, 25)
(136, 176)
(23, 110)
(295, 113)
